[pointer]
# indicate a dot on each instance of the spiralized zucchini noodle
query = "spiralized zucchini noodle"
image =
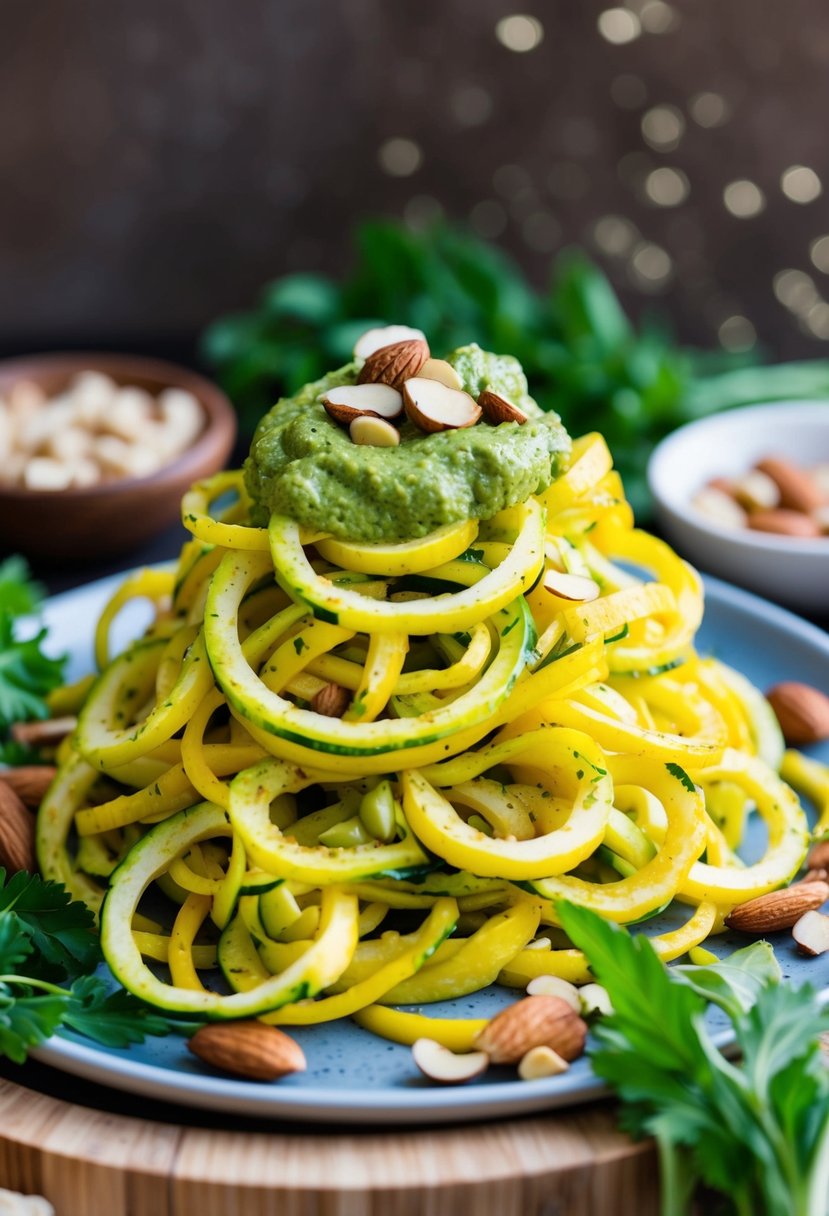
(496, 747)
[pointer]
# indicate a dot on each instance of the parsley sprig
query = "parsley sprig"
(26, 673)
(48, 946)
(757, 1131)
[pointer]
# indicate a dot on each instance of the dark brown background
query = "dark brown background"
(160, 160)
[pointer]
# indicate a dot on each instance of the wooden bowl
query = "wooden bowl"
(102, 520)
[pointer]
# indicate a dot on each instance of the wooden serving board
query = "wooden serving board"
(98, 1162)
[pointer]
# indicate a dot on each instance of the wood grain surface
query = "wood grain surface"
(90, 1162)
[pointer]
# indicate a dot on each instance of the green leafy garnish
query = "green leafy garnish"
(759, 1131)
(114, 1019)
(60, 931)
(26, 673)
(676, 770)
(48, 940)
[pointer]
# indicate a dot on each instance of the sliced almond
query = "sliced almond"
(498, 408)
(438, 1063)
(719, 507)
(818, 858)
(440, 370)
(368, 431)
(43, 734)
(576, 588)
(432, 406)
(554, 985)
(385, 335)
(778, 909)
(349, 401)
(801, 710)
(395, 364)
(595, 999)
(811, 933)
(820, 875)
(757, 491)
(540, 1062)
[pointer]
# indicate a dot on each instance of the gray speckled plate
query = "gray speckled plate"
(354, 1077)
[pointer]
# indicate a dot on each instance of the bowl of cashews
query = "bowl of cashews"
(96, 450)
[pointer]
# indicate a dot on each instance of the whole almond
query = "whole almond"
(535, 1021)
(778, 909)
(798, 489)
(821, 517)
(46, 733)
(332, 701)
(818, 858)
(394, 364)
(498, 408)
(17, 833)
(248, 1049)
(784, 522)
(801, 710)
(820, 875)
(30, 782)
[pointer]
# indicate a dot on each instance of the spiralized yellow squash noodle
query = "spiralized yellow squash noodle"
(316, 735)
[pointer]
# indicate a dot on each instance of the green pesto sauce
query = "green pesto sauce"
(304, 465)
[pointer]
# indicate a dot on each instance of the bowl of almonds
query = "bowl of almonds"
(97, 450)
(745, 495)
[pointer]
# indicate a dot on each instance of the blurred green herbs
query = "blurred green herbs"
(27, 674)
(582, 355)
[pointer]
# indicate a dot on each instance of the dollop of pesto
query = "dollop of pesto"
(304, 465)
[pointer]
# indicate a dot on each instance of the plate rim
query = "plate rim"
(420, 1105)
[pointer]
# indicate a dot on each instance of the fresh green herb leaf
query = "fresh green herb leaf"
(25, 1021)
(734, 983)
(114, 1019)
(14, 945)
(758, 1132)
(60, 932)
(26, 673)
(45, 936)
(19, 594)
(676, 770)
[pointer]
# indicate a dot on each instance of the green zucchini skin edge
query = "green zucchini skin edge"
(326, 736)
(150, 857)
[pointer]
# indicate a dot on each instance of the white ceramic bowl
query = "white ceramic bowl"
(789, 570)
